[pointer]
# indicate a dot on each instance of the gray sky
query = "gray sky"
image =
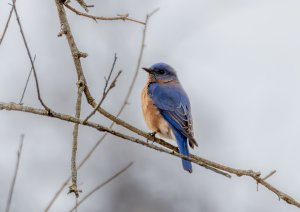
(237, 60)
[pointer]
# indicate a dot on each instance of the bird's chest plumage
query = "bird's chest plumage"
(153, 118)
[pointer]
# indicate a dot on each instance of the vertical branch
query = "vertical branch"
(76, 54)
(11, 190)
(73, 188)
(30, 58)
(132, 83)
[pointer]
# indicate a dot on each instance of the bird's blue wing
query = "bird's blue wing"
(174, 106)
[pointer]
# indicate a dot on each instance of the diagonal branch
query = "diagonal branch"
(106, 89)
(102, 18)
(6, 25)
(101, 185)
(168, 148)
(11, 190)
(26, 84)
(30, 58)
(84, 5)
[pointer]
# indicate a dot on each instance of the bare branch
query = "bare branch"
(6, 25)
(106, 89)
(138, 65)
(102, 18)
(76, 54)
(73, 188)
(269, 175)
(11, 190)
(26, 84)
(169, 149)
(101, 185)
(30, 58)
(173, 150)
(84, 5)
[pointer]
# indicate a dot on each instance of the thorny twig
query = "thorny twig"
(168, 148)
(31, 60)
(101, 185)
(11, 190)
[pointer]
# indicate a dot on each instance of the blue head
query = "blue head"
(161, 72)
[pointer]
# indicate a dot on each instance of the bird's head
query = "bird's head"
(161, 72)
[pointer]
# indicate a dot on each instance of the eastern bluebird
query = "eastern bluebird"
(166, 108)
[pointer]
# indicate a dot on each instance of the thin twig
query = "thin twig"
(102, 18)
(168, 148)
(7, 23)
(76, 204)
(269, 175)
(73, 188)
(11, 190)
(112, 85)
(138, 65)
(101, 185)
(106, 89)
(78, 167)
(30, 58)
(84, 5)
(26, 84)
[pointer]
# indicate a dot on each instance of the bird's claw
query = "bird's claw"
(152, 134)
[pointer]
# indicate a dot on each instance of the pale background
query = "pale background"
(238, 61)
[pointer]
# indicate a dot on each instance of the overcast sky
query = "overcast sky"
(238, 61)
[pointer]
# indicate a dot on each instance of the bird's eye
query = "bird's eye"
(160, 71)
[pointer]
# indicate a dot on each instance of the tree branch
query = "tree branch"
(106, 89)
(11, 190)
(102, 18)
(30, 58)
(6, 25)
(73, 188)
(83, 5)
(101, 185)
(169, 149)
(26, 84)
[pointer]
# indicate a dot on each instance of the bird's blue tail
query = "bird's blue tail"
(183, 149)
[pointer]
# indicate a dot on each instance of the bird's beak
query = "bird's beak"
(149, 70)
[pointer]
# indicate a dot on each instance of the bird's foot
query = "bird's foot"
(152, 134)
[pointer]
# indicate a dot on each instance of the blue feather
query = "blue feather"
(174, 106)
(181, 143)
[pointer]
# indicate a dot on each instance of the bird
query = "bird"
(166, 108)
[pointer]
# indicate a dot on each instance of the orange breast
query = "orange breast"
(153, 118)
